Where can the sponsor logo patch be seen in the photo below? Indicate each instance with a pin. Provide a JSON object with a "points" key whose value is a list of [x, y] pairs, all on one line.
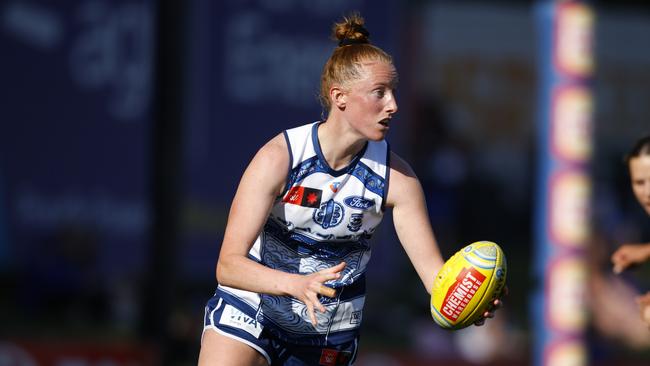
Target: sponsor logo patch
{"points": [[328, 357], [468, 281], [303, 196], [332, 357], [232, 317], [358, 202], [335, 186]]}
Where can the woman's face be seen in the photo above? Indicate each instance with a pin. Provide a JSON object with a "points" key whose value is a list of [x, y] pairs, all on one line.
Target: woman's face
{"points": [[370, 101], [640, 179]]}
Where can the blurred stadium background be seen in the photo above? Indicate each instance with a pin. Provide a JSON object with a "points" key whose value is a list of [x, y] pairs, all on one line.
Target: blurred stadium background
{"points": [[125, 125]]}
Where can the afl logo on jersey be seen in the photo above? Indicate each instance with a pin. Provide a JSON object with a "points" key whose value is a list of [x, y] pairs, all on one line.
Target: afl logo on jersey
{"points": [[358, 202], [329, 214]]}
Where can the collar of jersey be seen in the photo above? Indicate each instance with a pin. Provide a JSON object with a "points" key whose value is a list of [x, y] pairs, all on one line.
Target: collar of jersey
{"points": [[319, 153]]}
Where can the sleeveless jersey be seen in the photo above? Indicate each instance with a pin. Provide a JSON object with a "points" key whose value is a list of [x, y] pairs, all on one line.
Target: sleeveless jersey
{"points": [[325, 216]]}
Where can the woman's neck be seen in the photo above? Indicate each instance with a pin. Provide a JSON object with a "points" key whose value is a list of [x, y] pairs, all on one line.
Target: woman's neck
{"points": [[339, 143]]}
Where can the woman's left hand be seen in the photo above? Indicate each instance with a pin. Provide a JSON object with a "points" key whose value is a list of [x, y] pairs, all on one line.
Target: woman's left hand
{"points": [[496, 304]]}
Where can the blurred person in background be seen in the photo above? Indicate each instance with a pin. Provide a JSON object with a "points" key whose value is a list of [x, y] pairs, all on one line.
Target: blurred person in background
{"points": [[638, 163], [291, 269], [611, 301]]}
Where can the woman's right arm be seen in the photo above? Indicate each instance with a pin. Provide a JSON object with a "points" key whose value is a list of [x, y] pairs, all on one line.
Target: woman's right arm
{"points": [[260, 184]]}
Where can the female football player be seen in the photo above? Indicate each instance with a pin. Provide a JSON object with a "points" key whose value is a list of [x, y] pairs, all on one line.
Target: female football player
{"points": [[638, 163], [292, 266]]}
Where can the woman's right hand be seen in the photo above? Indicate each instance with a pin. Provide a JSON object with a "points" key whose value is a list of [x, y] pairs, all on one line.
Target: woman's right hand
{"points": [[307, 288], [628, 255]]}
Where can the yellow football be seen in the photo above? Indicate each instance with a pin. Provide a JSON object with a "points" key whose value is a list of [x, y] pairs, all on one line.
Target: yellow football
{"points": [[467, 284]]}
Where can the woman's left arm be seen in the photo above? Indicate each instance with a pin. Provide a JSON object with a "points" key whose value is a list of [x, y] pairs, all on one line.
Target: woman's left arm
{"points": [[413, 227], [411, 220]]}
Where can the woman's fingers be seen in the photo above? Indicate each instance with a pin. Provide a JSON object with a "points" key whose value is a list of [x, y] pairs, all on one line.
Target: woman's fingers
{"points": [[317, 286], [312, 305], [327, 291], [312, 298], [489, 313], [620, 262], [328, 274], [335, 269], [320, 306], [312, 315]]}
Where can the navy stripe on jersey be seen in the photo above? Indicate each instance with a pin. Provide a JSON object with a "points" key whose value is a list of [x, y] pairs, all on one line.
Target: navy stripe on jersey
{"points": [[373, 182], [387, 182], [306, 168], [305, 246], [286, 138]]}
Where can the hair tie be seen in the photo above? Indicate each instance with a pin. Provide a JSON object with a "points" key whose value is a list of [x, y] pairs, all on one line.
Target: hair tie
{"points": [[348, 41]]}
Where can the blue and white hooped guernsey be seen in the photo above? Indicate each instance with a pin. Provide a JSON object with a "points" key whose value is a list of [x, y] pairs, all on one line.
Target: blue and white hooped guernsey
{"points": [[325, 216]]}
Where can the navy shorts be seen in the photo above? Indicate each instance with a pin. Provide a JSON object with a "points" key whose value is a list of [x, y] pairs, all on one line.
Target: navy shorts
{"points": [[236, 322]]}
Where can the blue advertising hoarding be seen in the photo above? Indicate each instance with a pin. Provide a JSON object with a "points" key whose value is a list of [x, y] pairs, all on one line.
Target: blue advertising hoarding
{"points": [[78, 113]]}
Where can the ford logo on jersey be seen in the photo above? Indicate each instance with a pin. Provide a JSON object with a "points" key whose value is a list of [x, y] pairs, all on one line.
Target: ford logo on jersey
{"points": [[358, 202]]}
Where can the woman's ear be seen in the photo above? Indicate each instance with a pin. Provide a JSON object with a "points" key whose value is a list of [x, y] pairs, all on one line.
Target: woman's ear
{"points": [[338, 97]]}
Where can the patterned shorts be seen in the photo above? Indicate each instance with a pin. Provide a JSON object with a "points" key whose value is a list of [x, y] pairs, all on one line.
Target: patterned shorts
{"points": [[234, 321]]}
